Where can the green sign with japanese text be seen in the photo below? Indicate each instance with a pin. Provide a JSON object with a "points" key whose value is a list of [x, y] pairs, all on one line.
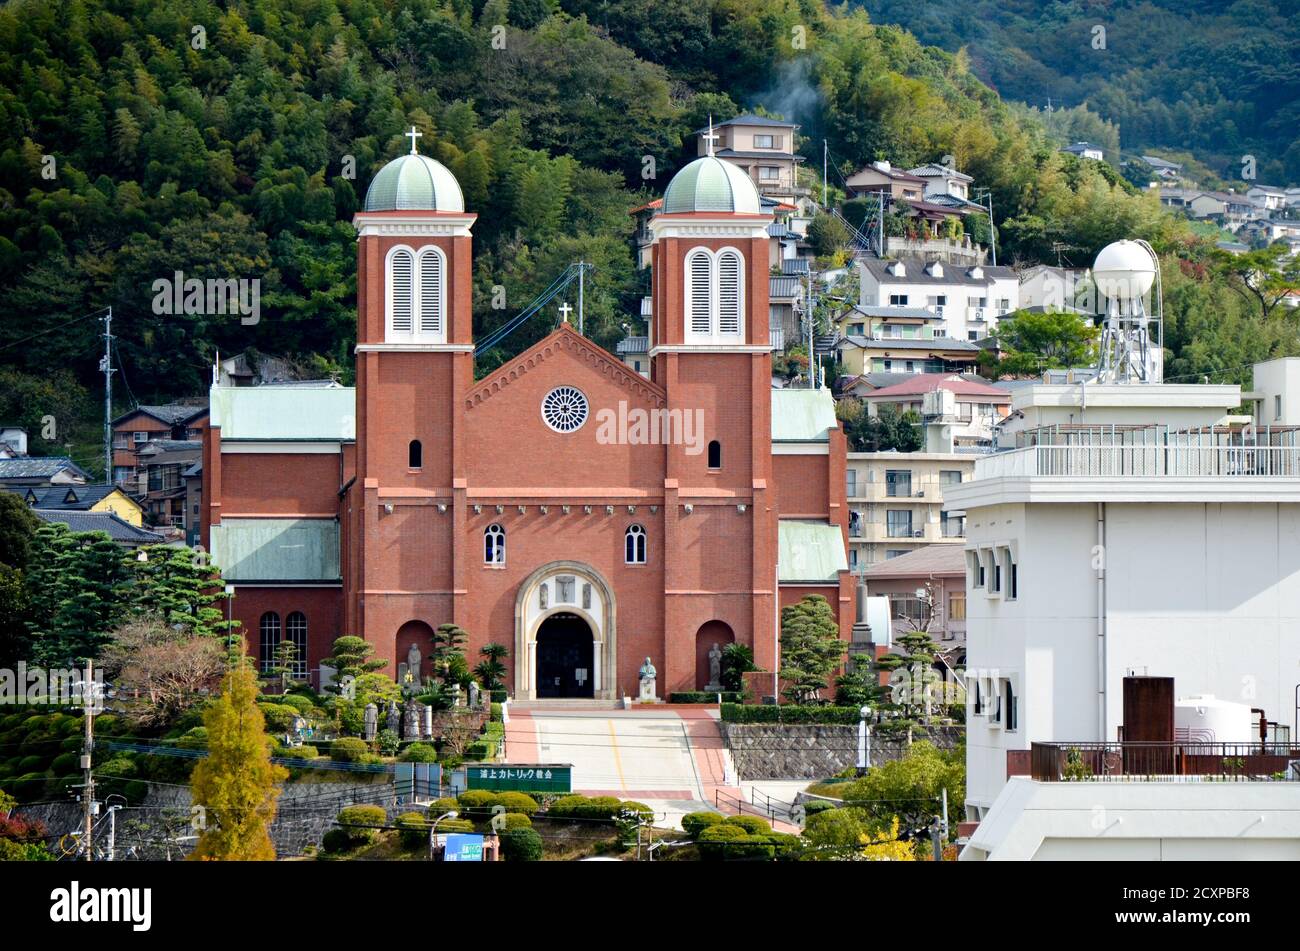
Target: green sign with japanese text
{"points": [[519, 777]]}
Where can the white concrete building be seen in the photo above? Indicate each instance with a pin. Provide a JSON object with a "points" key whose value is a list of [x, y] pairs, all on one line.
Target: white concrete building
{"points": [[967, 299], [1129, 529]]}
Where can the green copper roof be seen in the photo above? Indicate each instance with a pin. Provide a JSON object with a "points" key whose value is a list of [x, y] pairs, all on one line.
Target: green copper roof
{"points": [[802, 415], [710, 184], [414, 183], [810, 551], [300, 413], [277, 549]]}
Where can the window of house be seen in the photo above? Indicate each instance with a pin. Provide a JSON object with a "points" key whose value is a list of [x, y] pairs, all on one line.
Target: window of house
{"points": [[140, 437], [972, 335], [975, 567], [952, 526], [269, 640], [851, 482], [1277, 407], [494, 545], [976, 697], [996, 586], [715, 455], [415, 454], [857, 329], [898, 483], [295, 627], [763, 142], [957, 606], [768, 173], [634, 545], [949, 477], [894, 552], [1012, 580], [899, 523], [898, 300], [1010, 706], [120, 441]]}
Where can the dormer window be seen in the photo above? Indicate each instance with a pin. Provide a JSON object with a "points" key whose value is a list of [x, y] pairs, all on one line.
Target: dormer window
{"points": [[715, 295], [934, 269], [416, 296], [976, 273], [897, 268]]}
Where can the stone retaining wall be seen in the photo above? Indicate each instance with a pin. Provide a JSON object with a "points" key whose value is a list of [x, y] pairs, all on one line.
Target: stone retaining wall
{"points": [[803, 751]]}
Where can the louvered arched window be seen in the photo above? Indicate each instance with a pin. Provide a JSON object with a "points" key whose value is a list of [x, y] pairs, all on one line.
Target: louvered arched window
{"points": [[401, 288], [730, 292], [634, 545], [494, 545], [431, 293], [699, 292]]}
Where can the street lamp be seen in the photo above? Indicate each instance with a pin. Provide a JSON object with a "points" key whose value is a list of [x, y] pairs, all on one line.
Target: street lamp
{"points": [[433, 829]]}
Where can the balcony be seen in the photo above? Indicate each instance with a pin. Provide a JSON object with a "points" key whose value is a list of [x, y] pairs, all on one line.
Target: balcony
{"points": [[1180, 461], [1159, 762]]}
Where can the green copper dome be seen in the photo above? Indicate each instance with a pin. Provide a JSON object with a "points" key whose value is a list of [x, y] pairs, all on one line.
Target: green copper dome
{"points": [[414, 183], [710, 184]]}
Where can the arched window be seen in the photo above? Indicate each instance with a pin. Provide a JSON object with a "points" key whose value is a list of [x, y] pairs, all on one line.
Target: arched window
{"points": [[494, 545], [715, 455], [270, 640], [295, 629], [401, 287], [431, 296], [699, 291], [730, 292], [415, 454], [634, 545]]}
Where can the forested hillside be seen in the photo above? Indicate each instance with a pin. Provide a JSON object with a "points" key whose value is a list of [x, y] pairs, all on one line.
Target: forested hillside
{"points": [[1221, 79], [139, 138]]}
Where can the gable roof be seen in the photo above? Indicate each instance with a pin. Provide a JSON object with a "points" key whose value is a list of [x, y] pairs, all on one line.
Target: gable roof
{"points": [[274, 413], [173, 414], [803, 415], [71, 497], [938, 170], [914, 268], [748, 118], [38, 467], [945, 560], [565, 338], [809, 552], [910, 343], [929, 382], [122, 532]]}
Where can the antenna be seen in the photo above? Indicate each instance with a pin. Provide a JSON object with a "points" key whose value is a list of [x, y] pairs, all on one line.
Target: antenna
{"points": [[106, 367], [1132, 340]]}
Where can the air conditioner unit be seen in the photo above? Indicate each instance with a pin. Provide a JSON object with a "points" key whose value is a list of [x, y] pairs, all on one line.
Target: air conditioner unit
{"points": [[920, 493]]}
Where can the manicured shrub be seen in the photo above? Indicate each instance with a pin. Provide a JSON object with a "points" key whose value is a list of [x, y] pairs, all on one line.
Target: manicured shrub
{"points": [[455, 825], [136, 791], [703, 696], [26, 788], [31, 764], [302, 704], [335, 841], [516, 820], [415, 829], [361, 822], [751, 824], [521, 845], [494, 713], [348, 749], [693, 823], [279, 716], [419, 753], [476, 798], [388, 742], [443, 806], [728, 841], [515, 802], [72, 744], [814, 806], [302, 752], [498, 696], [65, 763]]}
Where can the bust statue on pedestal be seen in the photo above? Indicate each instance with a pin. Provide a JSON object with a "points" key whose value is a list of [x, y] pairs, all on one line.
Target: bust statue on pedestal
{"points": [[647, 675]]}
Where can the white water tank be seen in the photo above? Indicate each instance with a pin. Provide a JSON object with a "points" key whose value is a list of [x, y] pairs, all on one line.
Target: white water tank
{"points": [[1124, 270], [1204, 718]]}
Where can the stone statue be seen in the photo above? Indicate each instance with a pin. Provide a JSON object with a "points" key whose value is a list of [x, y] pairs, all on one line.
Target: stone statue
{"points": [[413, 664], [586, 597], [647, 674], [427, 731], [543, 593], [715, 669], [564, 589], [393, 721], [473, 695], [371, 721], [411, 720]]}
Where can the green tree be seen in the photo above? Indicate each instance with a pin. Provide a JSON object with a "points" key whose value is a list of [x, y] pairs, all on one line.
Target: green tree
{"points": [[351, 657], [890, 429], [1032, 342], [236, 785], [811, 648], [78, 586], [911, 788], [490, 671], [1263, 278], [17, 530], [183, 587]]}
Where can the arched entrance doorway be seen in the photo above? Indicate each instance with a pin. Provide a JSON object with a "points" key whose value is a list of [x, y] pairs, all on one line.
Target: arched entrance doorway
{"points": [[578, 590], [565, 657], [710, 633]]}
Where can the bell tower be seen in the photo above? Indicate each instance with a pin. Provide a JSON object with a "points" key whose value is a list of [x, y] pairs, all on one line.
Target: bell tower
{"points": [[710, 350], [414, 357]]}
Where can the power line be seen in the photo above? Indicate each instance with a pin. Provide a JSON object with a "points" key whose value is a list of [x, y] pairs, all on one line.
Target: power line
{"points": [[50, 330]]}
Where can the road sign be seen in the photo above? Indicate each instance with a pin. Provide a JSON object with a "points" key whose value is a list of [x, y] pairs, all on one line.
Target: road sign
{"points": [[520, 777], [463, 847]]}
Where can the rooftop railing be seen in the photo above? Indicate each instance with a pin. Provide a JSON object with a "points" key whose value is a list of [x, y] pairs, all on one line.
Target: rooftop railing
{"points": [[1142, 761], [1129, 460]]}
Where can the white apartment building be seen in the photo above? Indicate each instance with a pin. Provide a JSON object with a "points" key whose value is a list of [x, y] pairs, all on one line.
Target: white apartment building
{"points": [[896, 502], [967, 299], [1134, 529]]}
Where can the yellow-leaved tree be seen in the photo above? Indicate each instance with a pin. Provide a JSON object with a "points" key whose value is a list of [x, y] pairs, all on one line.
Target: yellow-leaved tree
{"points": [[885, 846], [236, 785]]}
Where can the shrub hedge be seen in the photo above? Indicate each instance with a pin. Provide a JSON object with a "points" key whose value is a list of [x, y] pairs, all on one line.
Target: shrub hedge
{"points": [[702, 696], [693, 823], [348, 749], [786, 713], [360, 822], [521, 845]]}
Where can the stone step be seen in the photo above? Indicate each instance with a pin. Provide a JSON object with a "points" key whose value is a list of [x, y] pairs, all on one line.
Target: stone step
{"points": [[579, 703]]}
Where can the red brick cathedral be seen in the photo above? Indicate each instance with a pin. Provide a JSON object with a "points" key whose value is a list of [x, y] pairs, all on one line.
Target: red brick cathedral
{"points": [[562, 505]]}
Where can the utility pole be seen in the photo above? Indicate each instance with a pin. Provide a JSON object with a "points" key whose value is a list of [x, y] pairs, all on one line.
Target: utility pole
{"points": [[812, 353], [87, 750], [825, 154], [993, 238], [582, 271], [880, 234], [106, 365]]}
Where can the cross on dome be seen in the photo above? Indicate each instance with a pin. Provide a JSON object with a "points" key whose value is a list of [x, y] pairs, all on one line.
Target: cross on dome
{"points": [[565, 311], [413, 135], [710, 137]]}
